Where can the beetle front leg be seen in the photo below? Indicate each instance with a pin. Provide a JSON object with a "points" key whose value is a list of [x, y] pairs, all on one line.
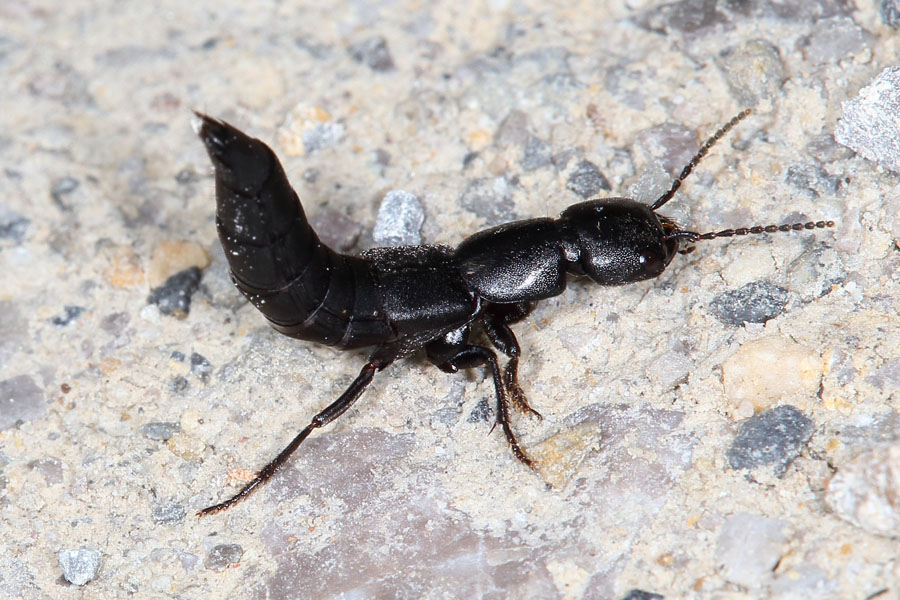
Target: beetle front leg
{"points": [[468, 357]]}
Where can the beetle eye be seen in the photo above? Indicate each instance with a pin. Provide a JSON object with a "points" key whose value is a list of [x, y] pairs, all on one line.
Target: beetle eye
{"points": [[651, 263]]}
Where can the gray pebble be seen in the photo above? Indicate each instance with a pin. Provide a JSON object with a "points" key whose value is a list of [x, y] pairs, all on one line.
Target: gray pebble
{"points": [[70, 313], [586, 180], [513, 130], [825, 149], [168, 512], [684, 16], [868, 124], [481, 412], [322, 135], [890, 13], [13, 227], [671, 144], [754, 71], [373, 53], [812, 180], [755, 302], [62, 188], [79, 566], [637, 594], [21, 400], [835, 39], [178, 384], [400, 219], [174, 296], [160, 431], [115, 323], [223, 556], [537, 154], [489, 198], [773, 437], [200, 366], [336, 230], [51, 468]]}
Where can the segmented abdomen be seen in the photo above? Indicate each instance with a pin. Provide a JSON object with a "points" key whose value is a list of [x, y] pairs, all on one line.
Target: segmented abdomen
{"points": [[305, 289]]}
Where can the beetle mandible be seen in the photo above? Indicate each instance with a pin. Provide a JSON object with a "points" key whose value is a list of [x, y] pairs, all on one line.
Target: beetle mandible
{"points": [[401, 300]]}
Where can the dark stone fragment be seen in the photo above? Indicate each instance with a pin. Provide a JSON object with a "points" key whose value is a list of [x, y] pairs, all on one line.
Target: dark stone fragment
{"points": [[642, 595], [13, 227], [773, 437], [174, 296], [755, 302], [178, 384], [61, 188], [168, 512], [115, 323], [200, 367], [177, 356], [186, 176], [812, 180], [223, 556], [336, 229], [481, 412], [160, 431], [890, 13], [537, 154], [513, 129], [586, 180], [686, 16], [489, 198], [21, 400], [70, 313], [373, 53]]}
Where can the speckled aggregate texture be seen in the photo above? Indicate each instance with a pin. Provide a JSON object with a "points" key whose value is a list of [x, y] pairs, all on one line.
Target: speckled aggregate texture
{"points": [[137, 386]]}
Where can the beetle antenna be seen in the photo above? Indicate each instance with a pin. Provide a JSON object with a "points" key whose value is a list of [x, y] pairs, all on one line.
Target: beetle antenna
{"points": [[692, 236], [703, 151]]}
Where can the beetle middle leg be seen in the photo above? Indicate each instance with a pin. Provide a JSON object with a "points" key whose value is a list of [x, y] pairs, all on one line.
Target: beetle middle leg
{"points": [[496, 319], [451, 353]]}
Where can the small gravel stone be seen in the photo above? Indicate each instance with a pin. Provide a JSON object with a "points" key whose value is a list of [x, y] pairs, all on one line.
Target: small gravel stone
{"points": [[813, 180], [890, 13], [336, 230], [174, 296], [79, 566], [490, 198], [321, 136], [754, 71], [51, 468], [13, 227], [373, 53], [537, 154], [481, 412], [115, 323], [223, 556], [160, 431], [400, 219], [178, 384], [642, 595], [774, 437], [835, 39], [513, 129], [21, 400], [170, 257], [755, 302], [866, 490], [586, 180], [868, 124], [168, 512], [748, 548], [201, 367], [62, 188], [671, 144], [70, 313]]}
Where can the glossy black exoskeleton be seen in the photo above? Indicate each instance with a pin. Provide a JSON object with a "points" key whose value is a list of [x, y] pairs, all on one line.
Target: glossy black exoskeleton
{"points": [[400, 300]]}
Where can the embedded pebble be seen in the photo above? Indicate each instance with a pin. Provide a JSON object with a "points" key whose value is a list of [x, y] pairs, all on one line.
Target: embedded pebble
{"points": [[309, 129], [749, 547], [637, 594], [13, 227], [513, 129], [866, 490], [399, 220], [79, 566], [671, 144], [201, 367], [812, 180], [174, 296], [50, 468], [755, 302], [586, 180], [178, 384], [537, 154], [335, 229], [168, 512], [171, 257], [754, 71], [868, 123], [21, 400], [490, 198], [223, 556], [764, 371], [373, 53], [62, 188], [890, 13], [160, 431], [773, 437], [835, 39], [70, 313]]}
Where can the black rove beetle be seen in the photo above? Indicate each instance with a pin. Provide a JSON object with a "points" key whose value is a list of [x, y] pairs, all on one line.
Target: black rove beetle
{"points": [[400, 300]]}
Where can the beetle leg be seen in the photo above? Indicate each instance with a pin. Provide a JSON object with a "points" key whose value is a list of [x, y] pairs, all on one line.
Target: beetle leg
{"points": [[496, 319], [468, 357], [329, 414]]}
